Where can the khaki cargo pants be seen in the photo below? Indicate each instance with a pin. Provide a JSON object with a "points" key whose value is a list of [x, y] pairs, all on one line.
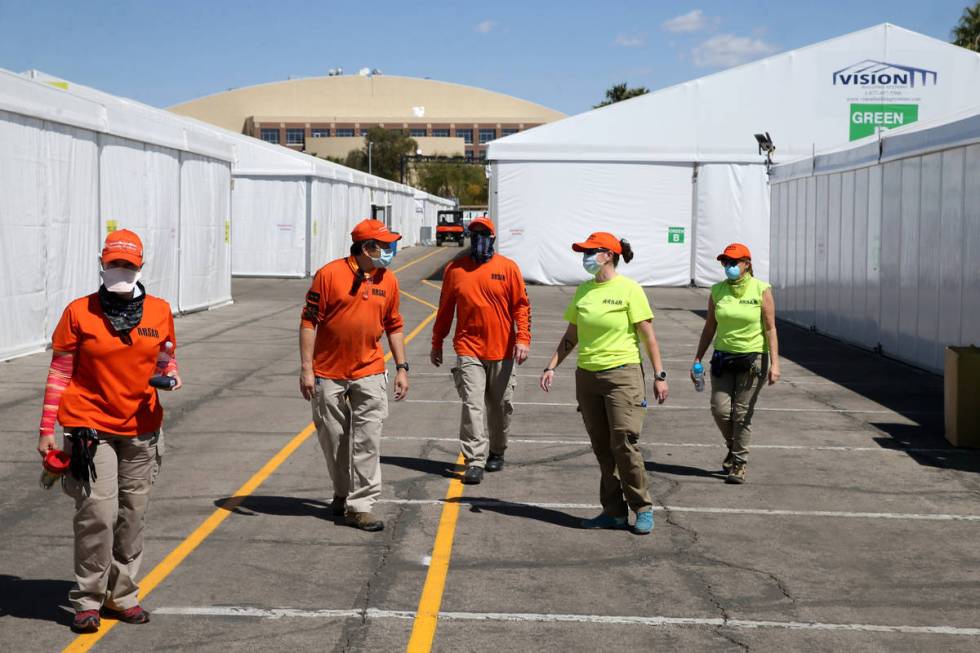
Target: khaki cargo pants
{"points": [[612, 405], [487, 390], [109, 520], [733, 397], [348, 417]]}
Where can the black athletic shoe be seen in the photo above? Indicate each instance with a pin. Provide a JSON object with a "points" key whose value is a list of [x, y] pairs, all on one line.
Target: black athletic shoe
{"points": [[495, 462], [337, 506], [473, 475]]}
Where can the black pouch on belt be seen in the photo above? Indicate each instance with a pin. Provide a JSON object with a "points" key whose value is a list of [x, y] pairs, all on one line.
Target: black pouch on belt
{"points": [[84, 442], [723, 361]]}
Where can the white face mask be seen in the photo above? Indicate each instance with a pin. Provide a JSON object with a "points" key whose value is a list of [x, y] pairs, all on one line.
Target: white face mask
{"points": [[120, 280]]}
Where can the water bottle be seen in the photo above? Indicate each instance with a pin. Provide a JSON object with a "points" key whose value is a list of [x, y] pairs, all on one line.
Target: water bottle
{"points": [[160, 379], [698, 371]]}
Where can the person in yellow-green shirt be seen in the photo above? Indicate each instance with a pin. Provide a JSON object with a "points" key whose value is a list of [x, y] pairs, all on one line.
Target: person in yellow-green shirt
{"points": [[607, 318], [742, 321]]}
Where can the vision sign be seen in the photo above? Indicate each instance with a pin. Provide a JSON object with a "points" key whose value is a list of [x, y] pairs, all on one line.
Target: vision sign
{"points": [[882, 95]]}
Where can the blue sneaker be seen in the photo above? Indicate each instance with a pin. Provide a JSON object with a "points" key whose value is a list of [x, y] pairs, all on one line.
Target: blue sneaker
{"points": [[644, 523], [604, 521]]}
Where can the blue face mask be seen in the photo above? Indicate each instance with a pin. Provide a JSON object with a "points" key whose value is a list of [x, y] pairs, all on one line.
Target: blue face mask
{"points": [[481, 247], [733, 272], [384, 260], [591, 265]]}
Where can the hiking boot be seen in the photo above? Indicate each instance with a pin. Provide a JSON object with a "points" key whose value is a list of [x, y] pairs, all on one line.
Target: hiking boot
{"points": [[605, 521], [644, 523], [737, 475], [133, 615], [473, 475], [495, 462], [86, 621], [337, 506], [364, 521], [726, 466]]}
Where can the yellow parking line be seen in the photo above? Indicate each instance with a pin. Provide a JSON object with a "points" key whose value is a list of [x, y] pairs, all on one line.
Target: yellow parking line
{"points": [[434, 285], [421, 258], [427, 615], [421, 301]]}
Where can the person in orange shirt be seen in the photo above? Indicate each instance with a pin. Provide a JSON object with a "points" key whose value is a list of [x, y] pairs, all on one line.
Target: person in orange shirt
{"points": [[106, 348], [493, 329], [351, 302]]}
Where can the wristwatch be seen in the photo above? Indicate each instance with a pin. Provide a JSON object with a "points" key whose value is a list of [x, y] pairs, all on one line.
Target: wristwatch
{"points": [[402, 366], [660, 376]]}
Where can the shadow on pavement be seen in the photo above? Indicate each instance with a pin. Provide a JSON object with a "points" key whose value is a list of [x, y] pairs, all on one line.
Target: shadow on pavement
{"points": [[512, 509], [35, 598], [433, 467], [680, 470], [279, 506]]}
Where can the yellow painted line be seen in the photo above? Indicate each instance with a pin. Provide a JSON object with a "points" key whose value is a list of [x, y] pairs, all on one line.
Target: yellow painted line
{"points": [[420, 300], [421, 258], [427, 615], [157, 575], [434, 285]]}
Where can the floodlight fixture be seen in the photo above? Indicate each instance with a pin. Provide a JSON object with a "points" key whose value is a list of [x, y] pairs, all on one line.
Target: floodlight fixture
{"points": [[764, 141]]}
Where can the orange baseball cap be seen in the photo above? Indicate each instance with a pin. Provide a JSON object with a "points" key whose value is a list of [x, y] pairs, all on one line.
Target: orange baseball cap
{"points": [[123, 245], [485, 221], [373, 230], [599, 240], [736, 252]]}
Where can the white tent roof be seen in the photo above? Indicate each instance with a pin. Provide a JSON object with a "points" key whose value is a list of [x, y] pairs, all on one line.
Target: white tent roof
{"points": [[804, 98], [83, 106]]}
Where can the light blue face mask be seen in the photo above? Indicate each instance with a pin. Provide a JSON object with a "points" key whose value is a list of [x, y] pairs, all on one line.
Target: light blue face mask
{"points": [[733, 272], [385, 259], [591, 265]]}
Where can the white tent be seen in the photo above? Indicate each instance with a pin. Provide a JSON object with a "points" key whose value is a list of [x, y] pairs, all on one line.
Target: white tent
{"points": [[290, 212], [677, 171], [878, 243], [71, 169]]}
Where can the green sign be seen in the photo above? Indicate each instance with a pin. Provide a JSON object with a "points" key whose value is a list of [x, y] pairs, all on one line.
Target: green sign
{"points": [[865, 118], [675, 235]]}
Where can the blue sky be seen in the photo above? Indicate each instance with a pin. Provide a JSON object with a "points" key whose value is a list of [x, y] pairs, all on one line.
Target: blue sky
{"points": [[560, 54]]}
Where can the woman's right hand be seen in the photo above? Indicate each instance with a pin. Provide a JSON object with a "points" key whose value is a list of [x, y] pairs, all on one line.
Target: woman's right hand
{"points": [[45, 443], [547, 377], [307, 384]]}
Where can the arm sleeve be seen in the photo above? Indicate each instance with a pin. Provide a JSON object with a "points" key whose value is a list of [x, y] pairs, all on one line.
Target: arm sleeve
{"points": [[520, 307], [393, 318], [639, 306], [59, 375], [447, 307], [313, 308]]}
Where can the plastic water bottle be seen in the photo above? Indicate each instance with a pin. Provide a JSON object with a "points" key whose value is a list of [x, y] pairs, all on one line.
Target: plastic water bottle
{"points": [[160, 379], [698, 371]]}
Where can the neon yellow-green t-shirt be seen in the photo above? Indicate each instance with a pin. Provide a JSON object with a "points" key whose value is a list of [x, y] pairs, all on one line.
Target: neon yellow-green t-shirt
{"points": [[738, 309], [606, 314]]}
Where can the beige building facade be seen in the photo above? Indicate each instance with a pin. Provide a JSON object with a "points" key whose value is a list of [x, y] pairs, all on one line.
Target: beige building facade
{"points": [[328, 116]]}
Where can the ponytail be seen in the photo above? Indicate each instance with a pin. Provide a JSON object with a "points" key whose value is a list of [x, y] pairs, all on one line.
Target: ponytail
{"points": [[627, 254]]}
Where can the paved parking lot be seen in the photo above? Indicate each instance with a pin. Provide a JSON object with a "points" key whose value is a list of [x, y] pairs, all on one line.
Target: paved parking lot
{"points": [[857, 529]]}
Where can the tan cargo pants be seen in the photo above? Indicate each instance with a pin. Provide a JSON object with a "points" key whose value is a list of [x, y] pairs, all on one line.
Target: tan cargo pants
{"points": [[348, 417], [612, 405], [487, 390], [733, 397], [109, 520]]}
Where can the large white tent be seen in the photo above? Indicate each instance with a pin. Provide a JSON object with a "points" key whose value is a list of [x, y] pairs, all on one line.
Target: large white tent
{"points": [[678, 172], [72, 169], [290, 212], [879, 243]]}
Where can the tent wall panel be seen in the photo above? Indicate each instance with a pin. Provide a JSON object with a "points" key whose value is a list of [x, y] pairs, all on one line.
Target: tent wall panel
{"points": [[646, 200], [899, 240], [140, 190], [205, 211], [269, 226]]}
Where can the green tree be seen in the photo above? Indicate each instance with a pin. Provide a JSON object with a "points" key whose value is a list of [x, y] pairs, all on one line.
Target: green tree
{"points": [[464, 181], [620, 92], [388, 147], [966, 34]]}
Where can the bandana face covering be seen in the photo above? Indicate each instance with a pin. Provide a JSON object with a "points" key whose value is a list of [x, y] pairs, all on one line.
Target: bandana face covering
{"points": [[120, 280], [123, 313], [481, 247]]}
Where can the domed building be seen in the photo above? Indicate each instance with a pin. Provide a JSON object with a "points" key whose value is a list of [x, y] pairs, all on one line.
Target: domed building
{"points": [[328, 116]]}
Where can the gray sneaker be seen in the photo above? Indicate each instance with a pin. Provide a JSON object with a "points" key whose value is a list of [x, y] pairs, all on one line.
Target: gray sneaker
{"points": [[473, 475]]}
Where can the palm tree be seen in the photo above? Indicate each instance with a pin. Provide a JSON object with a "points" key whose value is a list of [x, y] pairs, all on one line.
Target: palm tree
{"points": [[966, 34], [620, 92]]}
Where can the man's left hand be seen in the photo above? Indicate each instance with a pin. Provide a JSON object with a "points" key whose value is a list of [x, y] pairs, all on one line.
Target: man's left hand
{"points": [[521, 352], [401, 385], [660, 391]]}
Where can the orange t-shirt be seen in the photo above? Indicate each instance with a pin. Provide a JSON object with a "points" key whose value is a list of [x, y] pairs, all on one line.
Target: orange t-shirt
{"points": [[349, 326], [110, 387], [493, 311]]}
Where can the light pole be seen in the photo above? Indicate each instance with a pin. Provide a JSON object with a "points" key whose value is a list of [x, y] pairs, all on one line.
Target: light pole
{"points": [[370, 146]]}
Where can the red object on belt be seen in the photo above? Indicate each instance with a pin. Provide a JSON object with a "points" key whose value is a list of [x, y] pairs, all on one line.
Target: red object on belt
{"points": [[56, 461]]}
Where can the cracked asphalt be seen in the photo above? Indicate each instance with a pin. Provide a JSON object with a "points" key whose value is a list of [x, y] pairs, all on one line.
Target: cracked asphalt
{"points": [[845, 536]]}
